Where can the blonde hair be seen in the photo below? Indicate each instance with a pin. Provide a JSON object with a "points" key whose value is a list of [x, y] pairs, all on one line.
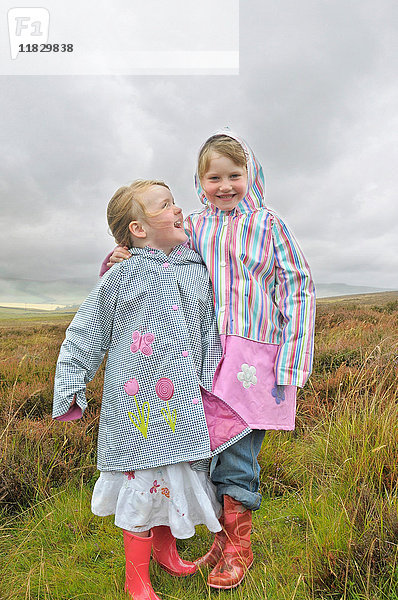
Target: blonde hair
{"points": [[224, 145], [127, 205]]}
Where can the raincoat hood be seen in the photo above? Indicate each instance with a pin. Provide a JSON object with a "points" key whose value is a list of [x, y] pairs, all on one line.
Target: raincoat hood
{"points": [[255, 194]]}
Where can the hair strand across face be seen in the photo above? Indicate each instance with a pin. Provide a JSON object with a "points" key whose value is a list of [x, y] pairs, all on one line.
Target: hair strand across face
{"points": [[126, 205]]}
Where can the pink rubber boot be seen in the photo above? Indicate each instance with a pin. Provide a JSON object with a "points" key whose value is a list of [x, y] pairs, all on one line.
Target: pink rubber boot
{"points": [[165, 553], [212, 557], [138, 555]]}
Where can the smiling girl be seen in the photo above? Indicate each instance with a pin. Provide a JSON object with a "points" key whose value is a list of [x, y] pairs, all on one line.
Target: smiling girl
{"points": [[264, 299], [265, 304], [154, 315]]}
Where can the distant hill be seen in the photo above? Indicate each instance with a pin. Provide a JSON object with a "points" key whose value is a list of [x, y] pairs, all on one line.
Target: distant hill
{"points": [[26, 306], [326, 290], [12, 315], [374, 299], [71, 292], [63, 291]]}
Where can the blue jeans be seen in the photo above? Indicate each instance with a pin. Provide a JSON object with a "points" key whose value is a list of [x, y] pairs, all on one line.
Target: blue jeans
{"points": [[236, 472]]}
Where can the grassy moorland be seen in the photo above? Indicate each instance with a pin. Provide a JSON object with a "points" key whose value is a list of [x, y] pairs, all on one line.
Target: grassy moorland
{"points": [[328, 526]]}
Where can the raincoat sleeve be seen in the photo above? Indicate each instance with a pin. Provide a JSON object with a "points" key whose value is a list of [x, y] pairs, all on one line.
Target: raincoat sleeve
{"points": [[295, 298], [211, 344], [188, 226], [104, 266], [87, 340], [189, 231]]}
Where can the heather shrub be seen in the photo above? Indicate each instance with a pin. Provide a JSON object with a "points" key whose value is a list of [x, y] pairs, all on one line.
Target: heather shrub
{"points": [[37, 453], [328, 525]]}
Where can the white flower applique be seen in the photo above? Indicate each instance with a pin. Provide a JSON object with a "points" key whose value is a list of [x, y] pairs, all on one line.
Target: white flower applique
{"points": [[247, 375]]}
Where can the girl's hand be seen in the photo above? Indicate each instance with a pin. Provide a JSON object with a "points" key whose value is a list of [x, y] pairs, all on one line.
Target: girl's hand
{"points": [[119, 254]]}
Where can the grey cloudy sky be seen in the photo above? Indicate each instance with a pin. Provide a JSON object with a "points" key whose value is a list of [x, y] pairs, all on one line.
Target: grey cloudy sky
{"points": [[316, 98]]}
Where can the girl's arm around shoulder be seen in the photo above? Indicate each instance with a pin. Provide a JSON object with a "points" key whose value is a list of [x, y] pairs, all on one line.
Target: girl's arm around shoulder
{"points": [[211, 344], [188, 226], [295, 298], [86, 341], [117, 255], [191, 228]]}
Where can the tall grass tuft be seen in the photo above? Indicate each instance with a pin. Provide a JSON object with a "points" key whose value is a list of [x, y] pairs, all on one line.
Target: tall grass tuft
{"points": [[36, 453], [328, 525]]}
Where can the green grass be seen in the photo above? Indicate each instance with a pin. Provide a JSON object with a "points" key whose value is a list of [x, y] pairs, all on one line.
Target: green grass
{"points": [[58, 549], [10, 315], [328, 525]]}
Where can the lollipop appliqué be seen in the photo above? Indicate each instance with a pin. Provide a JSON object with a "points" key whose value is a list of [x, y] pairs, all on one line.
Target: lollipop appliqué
{"points": [[164, 390]]}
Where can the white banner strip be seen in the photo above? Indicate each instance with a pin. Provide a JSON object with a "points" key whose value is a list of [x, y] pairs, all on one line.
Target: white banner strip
{"points": [[121, 37]]}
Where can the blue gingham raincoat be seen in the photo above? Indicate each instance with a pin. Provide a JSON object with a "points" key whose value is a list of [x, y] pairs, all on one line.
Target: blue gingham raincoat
{"points": [[155, 316]]}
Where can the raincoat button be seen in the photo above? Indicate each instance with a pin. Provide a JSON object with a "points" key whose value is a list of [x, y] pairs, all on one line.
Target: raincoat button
{"points": [[174, 307], [223, 263], [166, 264], [195, 400], [184, 353]]}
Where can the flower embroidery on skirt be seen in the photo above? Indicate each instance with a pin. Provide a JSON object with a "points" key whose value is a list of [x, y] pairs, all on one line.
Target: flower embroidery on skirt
{"points": [[153, 489]]}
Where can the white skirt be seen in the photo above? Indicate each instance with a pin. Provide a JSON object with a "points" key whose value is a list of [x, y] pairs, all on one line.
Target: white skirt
{"points": [[174, 495]]}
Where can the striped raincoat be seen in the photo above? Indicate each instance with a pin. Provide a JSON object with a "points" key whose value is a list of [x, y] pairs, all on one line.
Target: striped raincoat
{"points": [[264, 300]]}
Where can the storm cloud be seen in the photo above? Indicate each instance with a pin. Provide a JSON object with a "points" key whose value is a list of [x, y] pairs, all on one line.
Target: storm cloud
{"points": [[316, 98]]}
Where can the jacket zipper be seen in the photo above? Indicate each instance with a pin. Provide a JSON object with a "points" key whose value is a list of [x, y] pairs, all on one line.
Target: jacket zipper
{"points": [[225, 308]]}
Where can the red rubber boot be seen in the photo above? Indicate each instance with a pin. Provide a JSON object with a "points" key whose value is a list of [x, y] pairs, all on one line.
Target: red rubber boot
{"points": [[138, 555], [212, 557], [166, 554], [237, 556]]}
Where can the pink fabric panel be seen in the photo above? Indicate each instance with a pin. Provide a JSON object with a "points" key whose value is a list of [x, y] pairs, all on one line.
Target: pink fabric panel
{"points": [[256, 403], [223, 422], [104, 268], [74, 412]]}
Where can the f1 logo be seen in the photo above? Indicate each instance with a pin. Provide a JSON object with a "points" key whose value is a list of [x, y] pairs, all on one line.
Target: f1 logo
{"points": [[27, 25]]}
